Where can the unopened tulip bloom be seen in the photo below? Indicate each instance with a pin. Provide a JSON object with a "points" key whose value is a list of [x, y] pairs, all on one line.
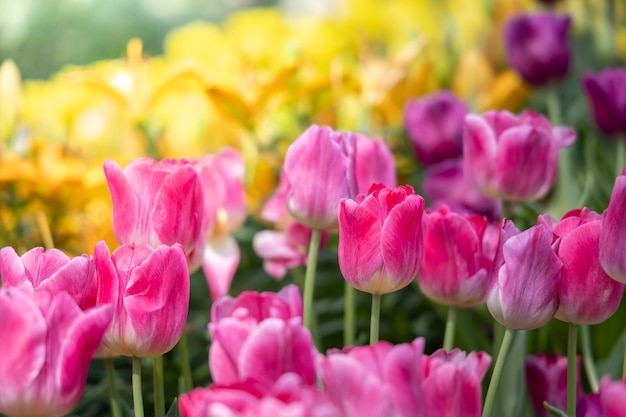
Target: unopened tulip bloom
{"points": [[434, 124], [587, 295], [380, 239], [149, 290], [525, 277], [158, 202], [537, 46], [319, 171], [613, 234], [374, 164], [457, 258], [606, 93], [47, 269], [48, 343], [511, 157]]}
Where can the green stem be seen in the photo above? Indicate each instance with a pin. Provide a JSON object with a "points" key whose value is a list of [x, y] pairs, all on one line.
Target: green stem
{"points": [[159, 386], [620, 143], [554, 108], [448, 338], [375, 318], [114, 397], [137, 393], [349, 315], [497, 371], [590, 367], [572, 337], [183, 350], [309, 277]]}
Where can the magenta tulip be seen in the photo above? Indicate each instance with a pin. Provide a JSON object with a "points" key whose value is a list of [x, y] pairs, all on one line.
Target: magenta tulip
{"points": [[587, 294], [514, 158], [374, 164], [319, 171], [158, 202], [613, 234], [537, 47], [149, 290], [434, 124], [613, 397], [457, 258], [48, 343], [606, 93], [47, 269], [380, 239], [525, 277]]}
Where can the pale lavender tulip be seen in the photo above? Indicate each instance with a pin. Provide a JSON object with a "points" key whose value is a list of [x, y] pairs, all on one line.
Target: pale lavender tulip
{"points": [[613, 234], [374, 164], [380, 239], [511, 157], [48, 343], [149, 290]]}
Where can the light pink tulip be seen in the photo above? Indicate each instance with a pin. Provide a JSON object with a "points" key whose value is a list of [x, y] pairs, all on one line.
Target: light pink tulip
{"points": [[457, 258], [613, 397], [380, 239], [319, 169], [511, 157], [149, 290], [525, 277], [48, 343], [374, 164], [587, 295], [158, 202], [613, 234], [220, 260], [452, 383], [47, 269]]}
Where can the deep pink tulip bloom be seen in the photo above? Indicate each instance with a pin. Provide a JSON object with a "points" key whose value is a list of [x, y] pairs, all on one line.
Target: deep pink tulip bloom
{"points": [[452, 383], [587, 295], [613, 397], [48, 343], [514, 158], [606, 93], [149, 290], [445, 184], [158, 202], [380, 239], [537, 46], [374, 164], [525, 277], [47, 269], [434, 124], [319, 171], [613, 234], [457, 258]]}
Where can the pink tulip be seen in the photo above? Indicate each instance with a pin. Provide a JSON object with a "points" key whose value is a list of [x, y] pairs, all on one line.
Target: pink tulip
{"points": [[380, 239], [587, 294], [434, 124], [149, 290], [525, 277], [48, 343], [452, 383], [613, 397], [457, 258], [606, 93], [283, 250], [374, 164], [514, 158], [319, 170], [613, 234], [51, 270], [158, 202]]}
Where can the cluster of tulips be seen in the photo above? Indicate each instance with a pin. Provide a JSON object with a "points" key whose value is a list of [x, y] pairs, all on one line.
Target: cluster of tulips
{"points": [[459, 243]]}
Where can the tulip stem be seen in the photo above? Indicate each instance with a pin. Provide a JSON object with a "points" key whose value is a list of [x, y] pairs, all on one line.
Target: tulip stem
{"points": [[448, 338], [309, 278], [183, 350], [621, 155], [572, 337], [590, 367], [554, 108], [375, 318], [114, 397], [137, 394], [497, 371], [349, 315], [159, 386]]}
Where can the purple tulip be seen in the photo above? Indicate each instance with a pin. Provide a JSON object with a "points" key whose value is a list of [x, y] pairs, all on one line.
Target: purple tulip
{"points": [[606, 92]]}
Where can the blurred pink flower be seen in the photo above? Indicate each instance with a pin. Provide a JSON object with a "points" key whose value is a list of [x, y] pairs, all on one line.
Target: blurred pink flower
{"points": [[613, 397], [374, 164], [149, 290], [380, 239], [613, 234], [48, 343]]}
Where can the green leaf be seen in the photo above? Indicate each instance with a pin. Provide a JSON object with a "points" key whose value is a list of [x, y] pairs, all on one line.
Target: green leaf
{"points": [[173, 410], [554, 411]]}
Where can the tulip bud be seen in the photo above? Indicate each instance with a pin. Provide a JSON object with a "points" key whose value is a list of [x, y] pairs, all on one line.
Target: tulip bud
{"points": [[606, 93]]}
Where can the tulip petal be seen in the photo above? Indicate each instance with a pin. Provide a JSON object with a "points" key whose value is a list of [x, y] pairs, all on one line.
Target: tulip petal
{"points": [[220, 261], [124, 200], [228, 337], [479, 152], [613, 233], [12, 270]]}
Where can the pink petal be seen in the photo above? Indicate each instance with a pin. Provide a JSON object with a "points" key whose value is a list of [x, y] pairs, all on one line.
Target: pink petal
{"points": [[479, 153], [12, 270], [220, 261], [124, 200], [613, 233], [228, 337]]}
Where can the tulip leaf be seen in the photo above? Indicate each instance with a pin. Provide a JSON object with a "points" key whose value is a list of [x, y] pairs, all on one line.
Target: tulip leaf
{"points": [[173, 410], [554, 411], [512, 389]]}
